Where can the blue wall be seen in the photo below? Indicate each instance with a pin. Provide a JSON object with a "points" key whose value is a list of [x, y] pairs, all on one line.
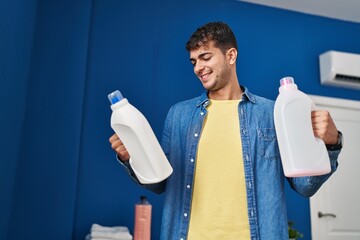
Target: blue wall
{"points": [[58, 170], [16, 38]]}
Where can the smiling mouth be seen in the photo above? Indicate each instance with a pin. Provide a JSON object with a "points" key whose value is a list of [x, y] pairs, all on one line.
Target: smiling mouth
{"points": [[205, 76]]}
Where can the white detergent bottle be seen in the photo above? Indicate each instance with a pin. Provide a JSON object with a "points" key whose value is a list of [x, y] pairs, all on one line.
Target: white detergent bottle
{"points": [[147, 158], [302, 154]]}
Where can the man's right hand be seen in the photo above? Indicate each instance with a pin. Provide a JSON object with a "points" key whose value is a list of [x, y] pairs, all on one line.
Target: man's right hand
{"points": [[118, 146]]}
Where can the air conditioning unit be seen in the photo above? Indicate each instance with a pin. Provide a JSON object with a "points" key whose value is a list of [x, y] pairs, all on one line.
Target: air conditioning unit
{"points": [[340, 69]]}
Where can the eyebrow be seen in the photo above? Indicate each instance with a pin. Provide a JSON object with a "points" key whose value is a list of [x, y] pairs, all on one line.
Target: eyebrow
{"points": [[200, 56]]}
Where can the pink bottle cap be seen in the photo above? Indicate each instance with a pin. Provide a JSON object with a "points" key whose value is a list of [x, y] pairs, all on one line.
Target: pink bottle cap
{"points": [[286, 80]]}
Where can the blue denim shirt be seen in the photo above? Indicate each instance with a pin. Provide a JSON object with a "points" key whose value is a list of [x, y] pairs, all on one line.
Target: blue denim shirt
{"points": [[263, 170]]}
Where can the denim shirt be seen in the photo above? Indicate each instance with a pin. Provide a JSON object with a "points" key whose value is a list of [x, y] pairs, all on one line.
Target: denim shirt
{"points": [[264, 176]]}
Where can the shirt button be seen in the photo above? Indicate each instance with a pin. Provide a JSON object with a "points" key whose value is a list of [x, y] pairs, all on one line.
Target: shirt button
{"points": [[188, 186], [247, 157], [202, 113], [249, 184], [185, 214], [181, 239], [196, 135], [192, 160], [252, 213]]}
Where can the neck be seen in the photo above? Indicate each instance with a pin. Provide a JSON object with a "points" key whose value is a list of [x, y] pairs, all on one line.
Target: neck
{"points": [[229, 92]]}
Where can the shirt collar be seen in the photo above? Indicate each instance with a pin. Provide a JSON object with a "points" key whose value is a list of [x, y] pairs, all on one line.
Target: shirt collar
{"points": [[247, 96]]}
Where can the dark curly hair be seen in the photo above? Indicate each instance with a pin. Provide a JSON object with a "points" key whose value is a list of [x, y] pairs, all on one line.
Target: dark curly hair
{"points": [[218, 32]]}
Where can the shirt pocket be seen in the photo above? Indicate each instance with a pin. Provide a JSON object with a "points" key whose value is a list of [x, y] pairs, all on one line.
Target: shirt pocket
{"points": [[267, 147]]}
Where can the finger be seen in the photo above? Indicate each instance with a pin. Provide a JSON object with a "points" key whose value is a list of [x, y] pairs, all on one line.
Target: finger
{"points": [[320, 133], [117, 143], [120, 147], [320, 119], [123, 154], [316, 119], [324, 127], [114, 140], [114, 137], [316, 112], [320, 124], [323, 115]]}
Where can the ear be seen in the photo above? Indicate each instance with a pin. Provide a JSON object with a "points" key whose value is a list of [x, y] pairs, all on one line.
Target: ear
{"points": [[232, 55]]}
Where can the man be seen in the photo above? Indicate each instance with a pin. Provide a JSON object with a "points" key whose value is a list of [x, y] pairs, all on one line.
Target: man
{"points": [[228, 181]]}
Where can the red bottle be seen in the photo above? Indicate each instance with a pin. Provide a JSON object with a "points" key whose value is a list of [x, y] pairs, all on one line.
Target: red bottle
{"points": [[142, 228]]}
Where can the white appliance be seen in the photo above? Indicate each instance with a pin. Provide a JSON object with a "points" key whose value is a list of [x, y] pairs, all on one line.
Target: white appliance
{"points": [[340, 69]]}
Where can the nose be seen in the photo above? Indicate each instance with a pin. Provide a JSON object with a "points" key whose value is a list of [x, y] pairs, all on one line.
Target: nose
{"points": [[198, 68]]}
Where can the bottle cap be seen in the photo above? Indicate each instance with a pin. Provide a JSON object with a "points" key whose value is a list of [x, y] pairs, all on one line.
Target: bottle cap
{"points": [[286, 80], [143, 200], [115, 97]]}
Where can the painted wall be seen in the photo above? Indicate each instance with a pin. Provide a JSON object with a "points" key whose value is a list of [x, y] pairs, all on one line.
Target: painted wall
{"points": [[65, 176], [44, 194], [16, 38]]}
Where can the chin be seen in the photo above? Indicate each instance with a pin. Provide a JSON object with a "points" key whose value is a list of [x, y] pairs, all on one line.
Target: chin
{"points": [[209, 88], [208, 85], [212, 87]]}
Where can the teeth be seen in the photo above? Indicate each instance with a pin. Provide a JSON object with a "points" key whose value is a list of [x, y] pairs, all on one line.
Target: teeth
{"points": [[205, 76]]}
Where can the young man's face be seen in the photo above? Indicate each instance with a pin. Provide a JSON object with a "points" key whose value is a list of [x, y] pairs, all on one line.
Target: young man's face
{"points": [[211, 66]]}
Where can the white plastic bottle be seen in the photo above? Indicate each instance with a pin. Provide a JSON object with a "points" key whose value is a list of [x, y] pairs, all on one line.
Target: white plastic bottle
{"points": [[302, 154], [147, 158], [142, 226]]}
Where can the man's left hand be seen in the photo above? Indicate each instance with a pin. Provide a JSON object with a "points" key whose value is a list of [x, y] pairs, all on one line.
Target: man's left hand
{"points": [[324, 126]]}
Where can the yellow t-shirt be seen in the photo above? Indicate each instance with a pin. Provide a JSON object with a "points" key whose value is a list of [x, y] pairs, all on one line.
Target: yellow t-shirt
{"points": [[219, 203]]}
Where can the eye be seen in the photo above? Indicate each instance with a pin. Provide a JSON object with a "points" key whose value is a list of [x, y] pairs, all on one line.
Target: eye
{"points": [[193, 63], [207, 58]]}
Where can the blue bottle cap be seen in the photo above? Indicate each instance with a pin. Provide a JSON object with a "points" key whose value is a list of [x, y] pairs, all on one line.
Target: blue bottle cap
{"points": [[115, 97]]}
